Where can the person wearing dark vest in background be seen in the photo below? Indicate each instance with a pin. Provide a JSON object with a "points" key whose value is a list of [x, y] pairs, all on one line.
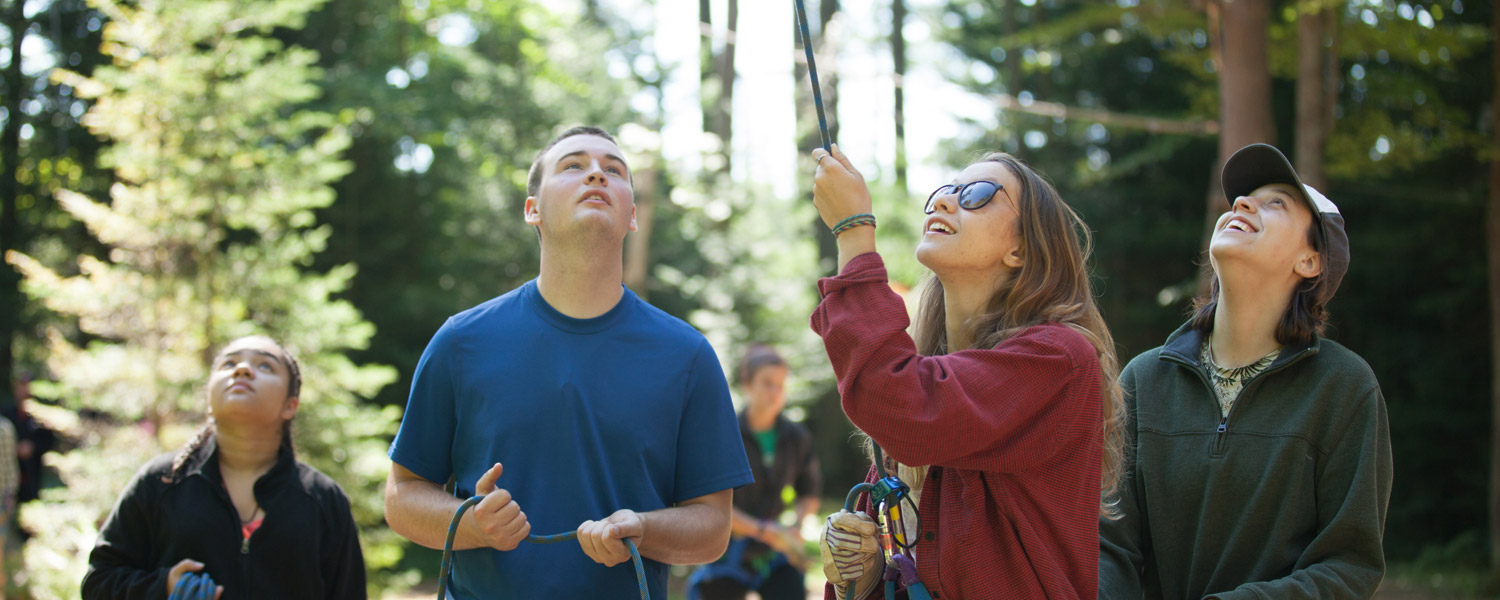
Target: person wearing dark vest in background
{"points": [[764, 555], [33, 440], [1262, 453]]}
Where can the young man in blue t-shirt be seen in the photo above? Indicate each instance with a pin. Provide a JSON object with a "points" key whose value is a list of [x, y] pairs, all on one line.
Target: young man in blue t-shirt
{"points": [[569, 404]]}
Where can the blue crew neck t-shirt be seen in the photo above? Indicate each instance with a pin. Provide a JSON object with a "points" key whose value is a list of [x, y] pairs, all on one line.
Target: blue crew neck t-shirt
{"points": [[588, 416]]}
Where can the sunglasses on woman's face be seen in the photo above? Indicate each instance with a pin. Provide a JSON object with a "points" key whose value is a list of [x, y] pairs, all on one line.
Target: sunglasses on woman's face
{"points": [[973, 195]]}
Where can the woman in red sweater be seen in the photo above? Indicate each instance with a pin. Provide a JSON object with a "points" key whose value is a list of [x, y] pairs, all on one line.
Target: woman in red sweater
{"points": [[1007, 394]]}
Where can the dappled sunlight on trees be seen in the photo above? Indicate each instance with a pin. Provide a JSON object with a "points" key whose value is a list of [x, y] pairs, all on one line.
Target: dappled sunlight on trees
{"points": [[344, 174], [209, 229]]}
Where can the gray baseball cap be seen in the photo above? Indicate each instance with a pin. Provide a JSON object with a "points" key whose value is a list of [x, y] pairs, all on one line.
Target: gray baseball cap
{"points": [[1259, 164]]}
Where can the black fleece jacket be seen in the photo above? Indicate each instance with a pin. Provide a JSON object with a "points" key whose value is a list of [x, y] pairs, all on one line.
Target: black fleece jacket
{"points": [[306, 547]]}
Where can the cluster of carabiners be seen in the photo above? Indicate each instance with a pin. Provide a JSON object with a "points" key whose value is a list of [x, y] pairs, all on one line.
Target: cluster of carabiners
{"points": [[891, 498]]}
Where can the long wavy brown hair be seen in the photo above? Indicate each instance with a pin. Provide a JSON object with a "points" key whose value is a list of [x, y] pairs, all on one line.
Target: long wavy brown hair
{"points": [[1052, 286]]}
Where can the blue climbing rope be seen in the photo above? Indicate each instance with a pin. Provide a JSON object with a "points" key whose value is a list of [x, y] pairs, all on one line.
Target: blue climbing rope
{"points": [[812, 72], [193, 586], [447, 568]]}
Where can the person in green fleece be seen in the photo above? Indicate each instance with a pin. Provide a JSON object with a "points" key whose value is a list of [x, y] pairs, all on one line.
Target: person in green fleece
{"points": [[1262, 463]]}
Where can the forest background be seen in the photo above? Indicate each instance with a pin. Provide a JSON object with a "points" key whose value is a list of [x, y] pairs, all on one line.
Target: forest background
{"points": [[345, 174]]}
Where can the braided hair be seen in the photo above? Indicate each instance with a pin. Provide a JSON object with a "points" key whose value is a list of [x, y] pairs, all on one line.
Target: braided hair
{"points": [[293, 388]]}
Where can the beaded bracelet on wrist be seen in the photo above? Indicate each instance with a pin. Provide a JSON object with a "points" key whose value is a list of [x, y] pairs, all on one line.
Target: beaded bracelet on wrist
{"points": [[852, 222]]}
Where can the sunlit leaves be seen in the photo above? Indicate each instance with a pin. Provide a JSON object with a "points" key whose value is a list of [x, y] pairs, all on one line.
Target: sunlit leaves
{"points": [[211, 228]]}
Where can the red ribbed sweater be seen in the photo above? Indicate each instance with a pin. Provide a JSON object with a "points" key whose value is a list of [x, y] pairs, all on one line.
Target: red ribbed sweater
{"points": [[1010, 507]]}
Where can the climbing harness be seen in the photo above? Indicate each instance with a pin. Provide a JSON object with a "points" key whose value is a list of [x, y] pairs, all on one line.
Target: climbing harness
{"points": [[812, 72], [447, 568], [193, 586], [890, 497]]}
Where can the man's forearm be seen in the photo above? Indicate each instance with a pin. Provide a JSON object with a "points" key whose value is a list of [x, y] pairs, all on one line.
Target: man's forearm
{"points": [[685, 535]]}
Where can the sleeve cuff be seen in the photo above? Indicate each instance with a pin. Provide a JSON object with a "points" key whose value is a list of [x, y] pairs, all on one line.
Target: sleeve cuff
{"points": [[865, 268]]}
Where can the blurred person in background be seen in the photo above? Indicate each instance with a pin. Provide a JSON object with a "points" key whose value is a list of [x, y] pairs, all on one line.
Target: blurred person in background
{"points": [[33, 440], [765, 556], [10, 480]]}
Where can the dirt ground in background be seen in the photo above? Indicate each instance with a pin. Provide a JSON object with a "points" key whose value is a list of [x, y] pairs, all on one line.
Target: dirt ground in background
{"points": [[1388, 591]]}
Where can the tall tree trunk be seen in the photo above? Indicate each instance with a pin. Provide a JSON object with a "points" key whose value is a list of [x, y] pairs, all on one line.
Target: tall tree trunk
{"points": [[649, 186], [1314, 102], [723, 124], [898, 61], [708, 88], [1244, 88], [1013, 82], [716, 80], [1492, 231], [10, 189]]}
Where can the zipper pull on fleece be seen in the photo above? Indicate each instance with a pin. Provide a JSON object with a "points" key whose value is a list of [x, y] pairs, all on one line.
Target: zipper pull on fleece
{"points": [[245, 546], [1223, 426]]}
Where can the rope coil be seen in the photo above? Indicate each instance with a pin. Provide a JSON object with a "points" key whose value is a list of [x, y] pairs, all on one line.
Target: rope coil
{"points": [[193, 586]]}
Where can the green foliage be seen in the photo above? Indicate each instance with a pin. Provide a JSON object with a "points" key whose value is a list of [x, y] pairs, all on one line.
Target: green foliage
{"points": [[406, 129], [1401, 76], [447, 103], [1455, 568], [211, 229], [54, 153]]}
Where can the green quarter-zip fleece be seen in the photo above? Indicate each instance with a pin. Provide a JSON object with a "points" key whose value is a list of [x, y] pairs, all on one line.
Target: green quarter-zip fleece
{"points": [[1283, 498]]}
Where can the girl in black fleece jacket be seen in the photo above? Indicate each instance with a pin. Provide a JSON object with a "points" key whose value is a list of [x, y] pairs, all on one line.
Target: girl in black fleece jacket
{"points": [[234, 503]]}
